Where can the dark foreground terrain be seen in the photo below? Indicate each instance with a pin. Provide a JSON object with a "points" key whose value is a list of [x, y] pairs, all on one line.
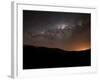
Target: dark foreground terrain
{"points": [[41, 57]]}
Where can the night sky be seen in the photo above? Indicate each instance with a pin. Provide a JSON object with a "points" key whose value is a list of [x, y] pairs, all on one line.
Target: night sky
{"points": [[67, 31]]}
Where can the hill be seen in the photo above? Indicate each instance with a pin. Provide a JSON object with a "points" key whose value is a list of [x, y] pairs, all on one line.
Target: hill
{"points": [[42, 57]]}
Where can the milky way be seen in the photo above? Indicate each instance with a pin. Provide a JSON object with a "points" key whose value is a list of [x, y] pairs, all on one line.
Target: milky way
{"points": [[68, 31]]}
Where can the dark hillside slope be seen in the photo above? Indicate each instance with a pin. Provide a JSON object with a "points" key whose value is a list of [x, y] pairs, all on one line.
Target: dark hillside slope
{"points": [[42, 57]]}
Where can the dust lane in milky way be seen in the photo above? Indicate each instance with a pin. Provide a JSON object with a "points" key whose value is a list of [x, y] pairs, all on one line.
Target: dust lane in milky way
{"points": [[68, 31]]}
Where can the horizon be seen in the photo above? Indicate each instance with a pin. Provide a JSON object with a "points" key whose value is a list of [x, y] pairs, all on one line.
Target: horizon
{"points": [[56, 48]]}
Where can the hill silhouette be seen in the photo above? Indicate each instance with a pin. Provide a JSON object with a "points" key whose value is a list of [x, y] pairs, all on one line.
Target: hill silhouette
{"points": [[42, 57]]}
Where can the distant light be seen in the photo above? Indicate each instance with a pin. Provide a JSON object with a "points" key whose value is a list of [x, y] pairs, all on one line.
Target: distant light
{"points": [[81, 49]]}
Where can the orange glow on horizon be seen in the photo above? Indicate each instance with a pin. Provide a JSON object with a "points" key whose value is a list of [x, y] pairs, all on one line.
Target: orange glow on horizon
{"points": [[82, 49], [78, 48]]}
